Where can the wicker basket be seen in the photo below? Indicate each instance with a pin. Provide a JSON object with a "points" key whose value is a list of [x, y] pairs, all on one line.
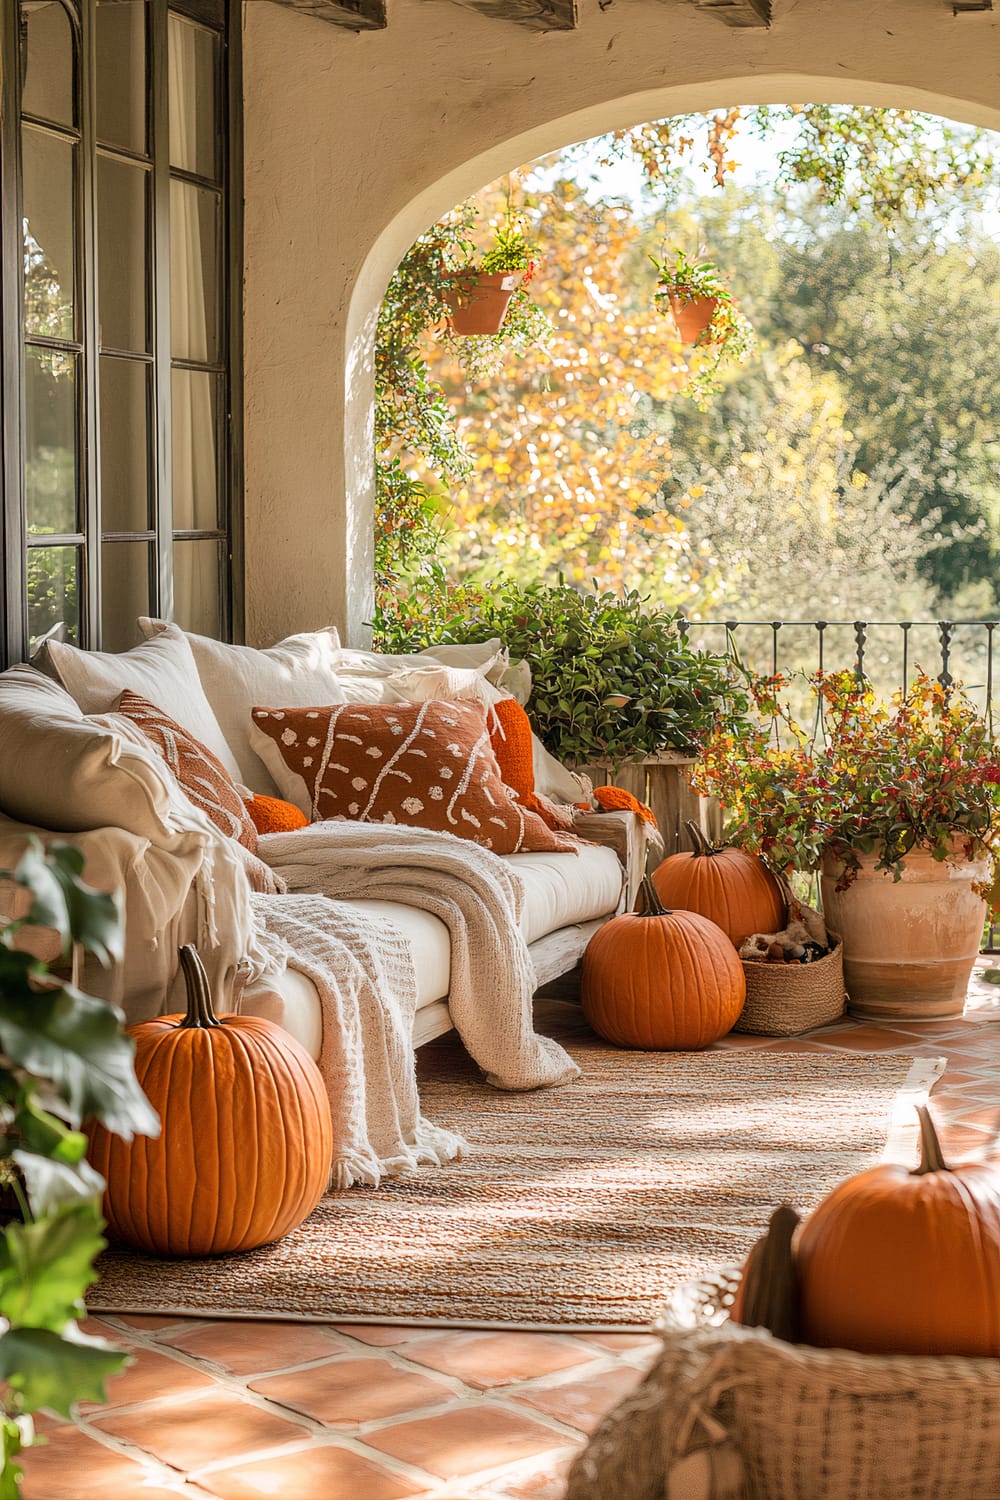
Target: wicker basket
{"points": [[732, 1413], [787, 999]]}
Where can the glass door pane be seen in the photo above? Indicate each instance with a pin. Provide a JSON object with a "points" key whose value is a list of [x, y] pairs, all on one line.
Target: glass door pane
{"points": [[51, 441], [197, 587], [195, 450], [194, 98], [124, 592], [194, 272], [48, 75], [121, 74], [124, 444], [49, 235], [122, 258], [53, 593]]}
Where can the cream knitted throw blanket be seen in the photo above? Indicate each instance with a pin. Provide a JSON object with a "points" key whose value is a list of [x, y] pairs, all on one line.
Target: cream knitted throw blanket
{"points": [[363, 972], [479, 898]]}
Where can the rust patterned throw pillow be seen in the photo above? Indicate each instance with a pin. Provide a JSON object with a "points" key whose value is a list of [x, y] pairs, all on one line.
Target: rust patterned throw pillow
{"points": [[420, 765], [204, 778]]}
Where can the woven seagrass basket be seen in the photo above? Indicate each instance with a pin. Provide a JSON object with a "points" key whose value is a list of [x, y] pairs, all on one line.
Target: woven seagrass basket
{"points": [[787, 999], [732, 1413]]}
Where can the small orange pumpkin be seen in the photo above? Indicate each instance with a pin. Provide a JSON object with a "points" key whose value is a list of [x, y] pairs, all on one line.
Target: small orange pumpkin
{"points": [[661, 980], [900, 1262], [734, 889], [244, 1153]]}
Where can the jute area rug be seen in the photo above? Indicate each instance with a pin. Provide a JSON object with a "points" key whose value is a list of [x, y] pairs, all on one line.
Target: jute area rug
{"points": [[579, 1207]]}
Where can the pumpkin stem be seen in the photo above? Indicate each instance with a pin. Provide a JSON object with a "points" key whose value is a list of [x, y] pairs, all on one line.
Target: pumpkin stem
{"points": [[199, 996], [648, 903], [931, 1157], [698, 839]]}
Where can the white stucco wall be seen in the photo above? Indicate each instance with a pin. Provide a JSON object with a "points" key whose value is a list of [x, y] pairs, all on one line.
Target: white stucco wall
{"points": [[356, 142]]}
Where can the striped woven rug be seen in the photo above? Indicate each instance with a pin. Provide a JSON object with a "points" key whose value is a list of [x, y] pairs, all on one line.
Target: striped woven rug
{"points": [[579, 1207]]}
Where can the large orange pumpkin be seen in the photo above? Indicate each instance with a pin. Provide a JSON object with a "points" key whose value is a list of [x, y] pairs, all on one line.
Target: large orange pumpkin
{"points": [[661, 980], [244, 1153], [900, 1262], [734, 889]]}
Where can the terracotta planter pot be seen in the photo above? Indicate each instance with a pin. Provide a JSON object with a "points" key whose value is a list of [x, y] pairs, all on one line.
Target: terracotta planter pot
{"points": [[693, 317], [479, 300], [909, 945]]}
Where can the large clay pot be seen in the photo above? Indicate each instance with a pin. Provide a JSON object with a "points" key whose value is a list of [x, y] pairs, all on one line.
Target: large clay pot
{"points": [[909, 945]]}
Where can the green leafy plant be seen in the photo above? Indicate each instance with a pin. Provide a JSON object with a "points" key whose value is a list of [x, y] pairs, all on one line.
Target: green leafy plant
{"points": [[613, 678], [63, 1059], [525, 324], [412, 416], [871, 778], [728, 339]]}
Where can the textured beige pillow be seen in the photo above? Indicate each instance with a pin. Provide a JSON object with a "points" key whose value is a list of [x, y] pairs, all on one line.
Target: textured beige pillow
{"points": [[61, 771], [298, 671], [162, 670]]}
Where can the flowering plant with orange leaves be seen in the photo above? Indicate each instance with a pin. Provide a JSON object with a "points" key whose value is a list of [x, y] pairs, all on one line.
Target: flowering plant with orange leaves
{"points": [[873, 777]]}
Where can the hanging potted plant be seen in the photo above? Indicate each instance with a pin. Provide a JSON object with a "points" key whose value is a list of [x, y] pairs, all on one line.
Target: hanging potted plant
{"points": [[897, 807], [706, 317], [479, 296]]}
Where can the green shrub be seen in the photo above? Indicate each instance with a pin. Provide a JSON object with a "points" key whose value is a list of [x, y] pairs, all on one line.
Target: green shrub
{"points": [[613, 677]]}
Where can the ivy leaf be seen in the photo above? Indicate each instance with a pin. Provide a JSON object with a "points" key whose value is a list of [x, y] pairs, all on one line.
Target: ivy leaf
{"points": [[54, 1372], [46, 1267], [64, 901], [77, 1042], [43, 1134], [52, 1183]]}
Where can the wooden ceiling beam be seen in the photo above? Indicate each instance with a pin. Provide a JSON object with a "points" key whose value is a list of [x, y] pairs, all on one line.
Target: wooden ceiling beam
{"points": [[538, 15], [739, 12], [359, 15]]}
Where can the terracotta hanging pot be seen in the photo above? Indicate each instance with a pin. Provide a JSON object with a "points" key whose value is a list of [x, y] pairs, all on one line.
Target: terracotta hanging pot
{"points": [[693, 316], [909, 945], [479, 300]]}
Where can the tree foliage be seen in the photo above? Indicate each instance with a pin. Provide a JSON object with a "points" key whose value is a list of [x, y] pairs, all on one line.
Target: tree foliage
{"points": [[863, 441]]}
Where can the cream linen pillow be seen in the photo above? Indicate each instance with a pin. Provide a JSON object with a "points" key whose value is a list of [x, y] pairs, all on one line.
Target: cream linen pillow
{"points": [[162, 670], [61, 771], [366, 676], [298, 672]]}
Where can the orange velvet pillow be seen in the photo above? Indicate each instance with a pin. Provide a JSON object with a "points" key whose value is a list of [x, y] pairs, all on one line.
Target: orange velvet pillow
{"points": [[510, 736], [272, 815], [419, 765], [204, 778]]}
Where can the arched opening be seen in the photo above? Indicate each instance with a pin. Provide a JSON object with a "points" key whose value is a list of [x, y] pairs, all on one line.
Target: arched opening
{"points": [[465, 179]]}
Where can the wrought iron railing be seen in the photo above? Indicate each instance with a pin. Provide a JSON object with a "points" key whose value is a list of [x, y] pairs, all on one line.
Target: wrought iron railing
{"points": [[887, 652]]}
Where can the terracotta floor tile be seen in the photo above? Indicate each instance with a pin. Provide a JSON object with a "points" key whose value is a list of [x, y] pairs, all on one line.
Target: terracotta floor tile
{"points": [[623, 1343], [465, 1441], [251, 1348], [870, 1039], [383, 1335], [582, 1403], [150, 1320], [150, 1377], [547, 1482], [485, 1360], [188, 1434], [353, 1390], [71, 1466], [315, 1473]]}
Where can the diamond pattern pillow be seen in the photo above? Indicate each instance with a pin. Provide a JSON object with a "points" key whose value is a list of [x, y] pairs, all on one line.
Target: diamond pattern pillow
{"points": [[420, 765], [203, 777]]}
